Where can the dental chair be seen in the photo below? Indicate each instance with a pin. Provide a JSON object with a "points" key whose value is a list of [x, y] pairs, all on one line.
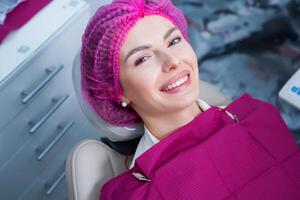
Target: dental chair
{"points": [[92, 162]]}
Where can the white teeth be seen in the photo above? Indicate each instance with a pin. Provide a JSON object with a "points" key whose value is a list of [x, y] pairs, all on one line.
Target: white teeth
{"points": [[177, 83]]}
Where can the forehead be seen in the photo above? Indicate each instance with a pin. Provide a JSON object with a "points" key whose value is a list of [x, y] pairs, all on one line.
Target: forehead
{"points": [[145, 31]]}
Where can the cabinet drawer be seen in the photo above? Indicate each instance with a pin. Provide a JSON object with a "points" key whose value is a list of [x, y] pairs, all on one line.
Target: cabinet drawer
{"points": [[13, 138], [32, 147], [50, 182], [50, 185], [12, 96], [33, 123], [38, 192], [24, 168], [34, 76]]}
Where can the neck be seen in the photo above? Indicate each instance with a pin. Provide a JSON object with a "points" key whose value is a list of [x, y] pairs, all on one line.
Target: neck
{"points": [[160, 127]]}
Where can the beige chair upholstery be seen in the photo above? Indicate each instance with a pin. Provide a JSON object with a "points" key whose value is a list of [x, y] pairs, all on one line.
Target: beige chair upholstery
{"points": [[91, 163]]}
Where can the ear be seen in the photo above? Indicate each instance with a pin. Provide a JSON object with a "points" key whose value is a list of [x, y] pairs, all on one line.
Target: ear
{"points": [[125, 99]]}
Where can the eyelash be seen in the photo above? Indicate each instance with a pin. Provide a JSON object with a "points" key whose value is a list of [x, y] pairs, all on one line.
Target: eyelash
{"points": [[139, 61]]}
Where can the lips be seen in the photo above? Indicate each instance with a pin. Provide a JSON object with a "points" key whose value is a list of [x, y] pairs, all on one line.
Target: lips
{"points": [[175, 78]]}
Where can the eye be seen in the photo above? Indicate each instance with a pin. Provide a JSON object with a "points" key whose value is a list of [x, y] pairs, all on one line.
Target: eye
{"points": [[176, 40], [140, 60]]}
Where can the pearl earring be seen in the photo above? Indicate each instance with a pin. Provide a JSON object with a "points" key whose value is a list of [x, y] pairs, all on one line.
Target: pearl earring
{"points": [[124, 104]]}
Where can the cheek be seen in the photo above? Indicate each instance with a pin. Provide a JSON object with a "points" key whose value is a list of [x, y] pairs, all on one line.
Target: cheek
{"points": [[191, 59], [192, 56], [139, 86], [187, 53]]}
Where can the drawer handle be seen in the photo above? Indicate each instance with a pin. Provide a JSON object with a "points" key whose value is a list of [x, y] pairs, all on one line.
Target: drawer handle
{"points": [[44, 152], [58, 103], [51, 188], [29, 95]]}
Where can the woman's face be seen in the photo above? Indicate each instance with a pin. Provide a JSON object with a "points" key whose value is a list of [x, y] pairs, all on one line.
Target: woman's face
{"points": [[158, 68]]}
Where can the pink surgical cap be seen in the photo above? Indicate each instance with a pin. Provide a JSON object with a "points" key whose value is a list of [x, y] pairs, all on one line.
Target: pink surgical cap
{"points": [[101, 43]]}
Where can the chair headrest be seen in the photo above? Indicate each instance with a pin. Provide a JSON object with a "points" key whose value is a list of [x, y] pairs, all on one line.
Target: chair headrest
{"points": [[114, 133]]}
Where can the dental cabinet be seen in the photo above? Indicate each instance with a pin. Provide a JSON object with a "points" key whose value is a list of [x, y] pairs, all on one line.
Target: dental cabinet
{"points": [[40, 117]]}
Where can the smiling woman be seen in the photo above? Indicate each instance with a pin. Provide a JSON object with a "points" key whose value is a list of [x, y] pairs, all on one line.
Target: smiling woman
{"points": [[102, 57], [137, 66], [159, 75]]}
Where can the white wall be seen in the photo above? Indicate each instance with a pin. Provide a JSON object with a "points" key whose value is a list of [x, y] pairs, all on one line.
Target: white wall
{"points": [[96, 3]]}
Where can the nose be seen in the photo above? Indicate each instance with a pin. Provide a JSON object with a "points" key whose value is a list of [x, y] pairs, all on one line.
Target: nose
{"points": [[170, 62]]}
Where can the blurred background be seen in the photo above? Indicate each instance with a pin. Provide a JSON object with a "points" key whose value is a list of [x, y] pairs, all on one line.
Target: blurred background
{"points": [[242, 46], [247, 45], [250, 45]]}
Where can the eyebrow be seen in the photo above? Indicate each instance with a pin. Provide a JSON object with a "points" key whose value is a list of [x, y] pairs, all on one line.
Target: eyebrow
{"points": [[143, 47]]}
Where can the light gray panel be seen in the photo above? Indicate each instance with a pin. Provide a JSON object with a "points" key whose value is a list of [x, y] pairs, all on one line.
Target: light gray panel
{"points": [[51, 173], [14, 136]]}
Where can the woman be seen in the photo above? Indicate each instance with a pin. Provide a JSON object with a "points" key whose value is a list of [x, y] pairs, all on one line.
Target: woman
{"points": [[138, 67]]}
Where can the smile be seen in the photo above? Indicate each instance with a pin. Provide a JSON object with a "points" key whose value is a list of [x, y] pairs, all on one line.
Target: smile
{"points": [[177, 83]]}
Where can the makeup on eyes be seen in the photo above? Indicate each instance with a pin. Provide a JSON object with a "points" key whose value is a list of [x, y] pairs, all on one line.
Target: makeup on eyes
{"points": [[148, 46], [138, 61]]}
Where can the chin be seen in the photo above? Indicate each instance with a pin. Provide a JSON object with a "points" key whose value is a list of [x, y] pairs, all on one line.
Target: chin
{"points": [[183, 101]]}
